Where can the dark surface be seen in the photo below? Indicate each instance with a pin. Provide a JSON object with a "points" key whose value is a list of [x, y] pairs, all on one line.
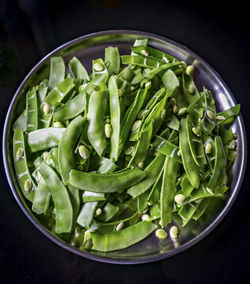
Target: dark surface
{"points": [[28, 31]]}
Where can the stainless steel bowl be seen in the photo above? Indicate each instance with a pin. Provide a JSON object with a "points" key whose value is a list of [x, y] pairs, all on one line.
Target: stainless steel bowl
{"points": [[92, 46]]}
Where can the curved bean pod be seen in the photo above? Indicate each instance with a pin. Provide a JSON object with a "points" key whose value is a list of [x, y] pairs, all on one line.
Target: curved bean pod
{"points": [[114, 118], [105, 183], [20, 164], [61, 199], [170, 172], [68, 142], [122, 239], [71, 109], [152, 171], [96, 112], [187, 158], [44, 138]]}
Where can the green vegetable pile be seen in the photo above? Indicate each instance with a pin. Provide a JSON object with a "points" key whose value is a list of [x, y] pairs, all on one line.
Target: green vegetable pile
{"points": [[107, 158]]}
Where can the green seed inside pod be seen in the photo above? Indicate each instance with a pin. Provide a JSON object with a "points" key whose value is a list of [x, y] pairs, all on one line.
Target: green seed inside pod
{"points": [[161, 234], [210, 114], [119, 226], [144, 52], [232, 145], [175, 109], [129, 150], [190, 70], [196, 131], [136, 125], [141, 165], [142, 113], [98, 67], [19, 153], [174, 232], [163, 113], [108, 130], [83, 152], [208, 148], [148, 85], [58, 124], [191, 88], [46, 109], [180, 198], [27, 185], [182, 111], [98, 211], [145, 217]]}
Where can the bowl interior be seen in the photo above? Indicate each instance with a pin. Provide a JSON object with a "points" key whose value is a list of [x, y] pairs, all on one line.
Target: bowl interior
{"points": [[92, 46]]}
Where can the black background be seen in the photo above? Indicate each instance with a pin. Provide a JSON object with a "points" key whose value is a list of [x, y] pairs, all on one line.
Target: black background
{"points": [[220, 34]]}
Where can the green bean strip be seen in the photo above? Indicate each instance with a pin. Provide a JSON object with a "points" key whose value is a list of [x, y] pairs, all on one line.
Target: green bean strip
{"points": [[142, 201], [157, 115], [202, 192], [127, 74], [21, 168], [44, 138], [190, 91], [187, 158], [195, 143], [152, 171], [67, 145], [42, 90], [155, 108], [151, 74], [58, 93], [86, 214], [122, 239], [32, 111], [173, 123], [111, 226], [98, 67], [57, 71], [187, 211], [186, 186], [219, 167], [153, 52], [71, 109], [114, 118], [61, 199], [140, 61], [107, 167], [171, 168], [96, 112], [78, 70], [154, 195], [208, 121], [89, 196], [108, 212], [105, 183], [130, 117], [140, 153], [21, 121], [170, 81], [167, 148], [228, 116], [112, 59], [201, 208], [42, 197]]}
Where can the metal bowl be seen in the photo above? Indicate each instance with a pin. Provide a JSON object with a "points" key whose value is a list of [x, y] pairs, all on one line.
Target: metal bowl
{"points": [[92, 46]]}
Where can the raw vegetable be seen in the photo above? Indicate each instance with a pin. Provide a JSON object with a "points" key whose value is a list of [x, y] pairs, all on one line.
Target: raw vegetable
{"points": [[112, 155]]}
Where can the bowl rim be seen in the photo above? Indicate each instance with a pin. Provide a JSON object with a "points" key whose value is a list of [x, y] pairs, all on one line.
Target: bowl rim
{"points": [[104, 259]]}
